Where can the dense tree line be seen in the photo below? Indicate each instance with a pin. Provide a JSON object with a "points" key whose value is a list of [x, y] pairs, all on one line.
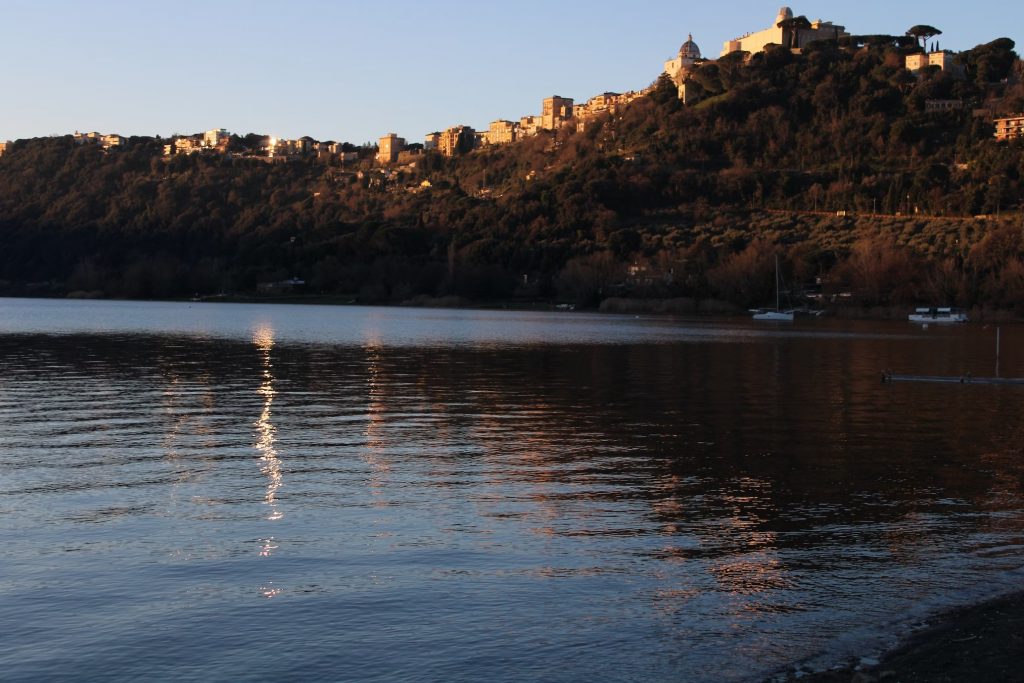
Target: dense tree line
{"points": [[659, 200]]}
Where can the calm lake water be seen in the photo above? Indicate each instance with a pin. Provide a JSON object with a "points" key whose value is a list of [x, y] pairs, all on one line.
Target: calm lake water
{"points": [[228, 492]]}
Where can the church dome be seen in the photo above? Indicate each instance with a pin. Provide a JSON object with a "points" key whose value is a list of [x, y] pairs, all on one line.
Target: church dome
{"points": [[690, 49]]}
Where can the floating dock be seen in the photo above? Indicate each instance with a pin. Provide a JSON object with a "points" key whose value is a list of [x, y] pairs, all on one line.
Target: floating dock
{"points": [[889, 378]]}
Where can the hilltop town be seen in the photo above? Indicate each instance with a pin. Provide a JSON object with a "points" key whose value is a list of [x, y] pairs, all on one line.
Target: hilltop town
{"points": [[879, 168], [787, 31]]}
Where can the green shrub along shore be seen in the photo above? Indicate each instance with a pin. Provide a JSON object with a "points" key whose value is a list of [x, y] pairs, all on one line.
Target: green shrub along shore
{"points": [[830, 159]]}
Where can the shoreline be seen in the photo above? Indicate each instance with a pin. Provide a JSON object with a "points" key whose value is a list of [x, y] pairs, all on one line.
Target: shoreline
{"points": [[685, 307], [983, 642]]}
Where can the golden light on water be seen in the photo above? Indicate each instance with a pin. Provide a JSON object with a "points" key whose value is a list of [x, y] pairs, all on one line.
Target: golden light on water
{"points": [[266, 433], [376, 445], [267, 547]]}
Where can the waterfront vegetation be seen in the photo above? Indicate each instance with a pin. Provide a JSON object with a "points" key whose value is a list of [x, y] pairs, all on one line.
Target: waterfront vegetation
{"points": [[829, 158]]}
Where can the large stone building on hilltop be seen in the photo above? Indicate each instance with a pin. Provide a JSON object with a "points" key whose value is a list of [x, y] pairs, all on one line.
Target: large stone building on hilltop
{"points": [[389, 148], [679, 69], [794, 36], [556, 112], [943, 59]]}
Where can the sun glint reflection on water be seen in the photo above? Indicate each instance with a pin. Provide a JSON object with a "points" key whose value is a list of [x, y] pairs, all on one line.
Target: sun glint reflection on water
{"points": [[376, 420], [263, 338]]}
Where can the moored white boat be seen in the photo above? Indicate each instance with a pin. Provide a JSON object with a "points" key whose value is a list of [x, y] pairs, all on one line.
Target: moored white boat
{"points": [[938, 315], [770, 315]]}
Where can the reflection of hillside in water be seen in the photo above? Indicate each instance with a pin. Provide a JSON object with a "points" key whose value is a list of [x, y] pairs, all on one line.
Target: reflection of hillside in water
{"points": [[757, 493], [718, 451], [779, 434], [766, 437]]}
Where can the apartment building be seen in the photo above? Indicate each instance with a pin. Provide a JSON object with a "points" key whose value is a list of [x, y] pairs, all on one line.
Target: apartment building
{"points": [[1010, 127], [502, 132], [456, 140]]}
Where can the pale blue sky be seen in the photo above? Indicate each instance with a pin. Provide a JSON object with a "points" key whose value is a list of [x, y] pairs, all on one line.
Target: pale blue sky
{"points": [[356, 69]]}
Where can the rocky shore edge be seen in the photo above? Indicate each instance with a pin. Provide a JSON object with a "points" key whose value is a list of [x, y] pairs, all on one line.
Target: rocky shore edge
{"points": [[982, 642]]}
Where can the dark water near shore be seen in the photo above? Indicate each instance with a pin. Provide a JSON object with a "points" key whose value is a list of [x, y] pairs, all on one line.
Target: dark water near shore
{"points": [[216, 492]]}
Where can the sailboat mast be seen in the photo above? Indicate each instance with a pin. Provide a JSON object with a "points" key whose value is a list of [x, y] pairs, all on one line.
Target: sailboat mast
{"points": [[777, 307]]}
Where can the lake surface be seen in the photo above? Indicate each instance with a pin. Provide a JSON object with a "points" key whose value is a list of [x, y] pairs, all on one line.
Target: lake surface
{"points": [[217, 492]]}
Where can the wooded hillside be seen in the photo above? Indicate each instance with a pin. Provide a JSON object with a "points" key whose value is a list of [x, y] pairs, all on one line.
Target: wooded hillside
{"points": [[829, 158]]}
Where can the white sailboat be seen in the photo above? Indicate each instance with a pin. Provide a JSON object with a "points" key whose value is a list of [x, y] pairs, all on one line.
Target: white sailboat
{"points": [[777, 315]]}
